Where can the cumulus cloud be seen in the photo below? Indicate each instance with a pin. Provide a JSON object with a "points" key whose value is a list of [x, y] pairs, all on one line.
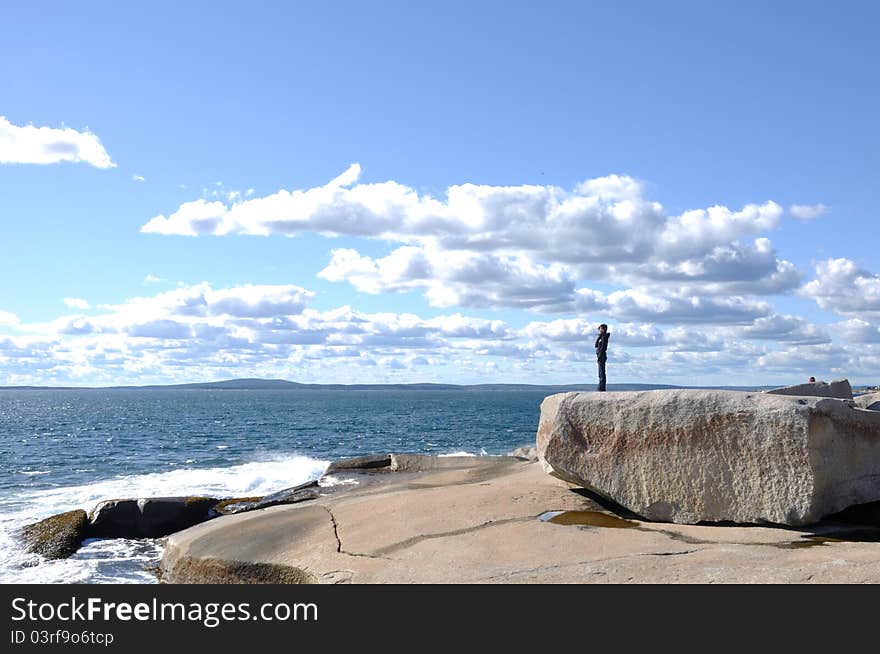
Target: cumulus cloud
{"points": [[536, 237], [694, 232], [76, 303], [734, 268], [604, 219], [809, 359], [47, 145], [200, 332], [845, 288], [640, 305], [807, 211], [7, 318], [786, 328], [238, 331], [456, 278], [859, 331]]}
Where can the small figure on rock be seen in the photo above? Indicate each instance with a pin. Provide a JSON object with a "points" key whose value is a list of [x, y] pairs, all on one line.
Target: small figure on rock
{"points": [[812, 380], [602, 353]]}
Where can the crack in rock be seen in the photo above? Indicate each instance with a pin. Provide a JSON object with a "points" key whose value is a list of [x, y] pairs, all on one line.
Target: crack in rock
{"points": [[672, 553], [409, 542], [339, 542]]}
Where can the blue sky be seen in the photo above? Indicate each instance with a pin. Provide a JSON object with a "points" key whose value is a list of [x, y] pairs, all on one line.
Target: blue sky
{"points": [[179, 195]]}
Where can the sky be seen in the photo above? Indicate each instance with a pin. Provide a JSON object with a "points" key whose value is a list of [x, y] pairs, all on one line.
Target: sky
{"points": [[458, 192]]}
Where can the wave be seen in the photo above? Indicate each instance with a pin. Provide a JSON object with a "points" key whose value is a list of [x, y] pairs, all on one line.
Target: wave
{"points": [[120, 560]]}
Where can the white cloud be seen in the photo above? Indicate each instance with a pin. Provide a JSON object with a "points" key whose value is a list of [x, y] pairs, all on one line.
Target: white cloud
{"points": [[76, 303], [845, 288], [731, 269], [807, 211], [455, 278], [786, 329], [47, 145], [153, 279], [646, 305], [7, 318], [521, 246], [138, 178], [695, 232], [200, 332], [602, 220], [821, 361], [859, 331]]}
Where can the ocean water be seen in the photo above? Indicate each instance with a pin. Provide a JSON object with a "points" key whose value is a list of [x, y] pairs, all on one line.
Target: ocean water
{"points": [[68, 449]]}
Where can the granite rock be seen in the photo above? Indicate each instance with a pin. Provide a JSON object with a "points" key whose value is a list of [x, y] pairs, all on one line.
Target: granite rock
{"points": [[690, 456]]}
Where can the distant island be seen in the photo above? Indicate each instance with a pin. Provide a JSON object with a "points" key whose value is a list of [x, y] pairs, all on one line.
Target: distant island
{"points": [[283, 384]]}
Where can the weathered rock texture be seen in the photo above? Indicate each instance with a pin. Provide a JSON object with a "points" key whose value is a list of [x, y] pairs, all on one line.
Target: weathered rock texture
{"points": [[839, 389], [871, 401], [58, 536], [689, 456], [151, 517]]}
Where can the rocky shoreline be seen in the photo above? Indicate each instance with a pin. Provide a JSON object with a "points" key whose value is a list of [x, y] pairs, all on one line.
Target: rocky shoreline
{"points": [[504, 520], [644, 487]]}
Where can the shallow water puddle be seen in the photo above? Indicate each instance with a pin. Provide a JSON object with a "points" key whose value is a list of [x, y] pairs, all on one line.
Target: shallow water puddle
{"points": [[586, 519], [828, 538]]}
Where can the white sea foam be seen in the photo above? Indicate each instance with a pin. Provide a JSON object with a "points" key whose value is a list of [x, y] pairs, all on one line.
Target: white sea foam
{"points": [[120, 560], [330, 481], [463, 453]]}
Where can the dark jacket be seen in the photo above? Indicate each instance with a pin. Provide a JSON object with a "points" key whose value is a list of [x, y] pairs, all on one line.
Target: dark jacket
{"points": [[602, 346]]}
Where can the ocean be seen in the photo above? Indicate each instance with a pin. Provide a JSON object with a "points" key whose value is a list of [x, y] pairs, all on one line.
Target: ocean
{"points": [[67, 449]]}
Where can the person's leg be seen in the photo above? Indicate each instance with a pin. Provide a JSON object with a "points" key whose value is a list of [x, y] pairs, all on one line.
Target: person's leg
{"points": [[601, 375]]}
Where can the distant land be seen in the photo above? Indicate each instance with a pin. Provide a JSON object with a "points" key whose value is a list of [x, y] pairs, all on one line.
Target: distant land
{"points": [[283, 384]]}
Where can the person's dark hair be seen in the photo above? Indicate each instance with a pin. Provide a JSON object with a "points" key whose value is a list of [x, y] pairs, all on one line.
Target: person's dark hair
{"points": [[603, 326]]}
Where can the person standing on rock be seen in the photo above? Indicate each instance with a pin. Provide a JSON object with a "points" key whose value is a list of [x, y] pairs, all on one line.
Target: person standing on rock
{"points": [[602, 353]]}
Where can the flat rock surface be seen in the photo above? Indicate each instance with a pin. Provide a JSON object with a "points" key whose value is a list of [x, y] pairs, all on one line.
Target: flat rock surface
{"points": [[501, 520]]}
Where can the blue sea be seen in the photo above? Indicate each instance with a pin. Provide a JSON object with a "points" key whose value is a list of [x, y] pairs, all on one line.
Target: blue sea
{"points": [[68, 449]]}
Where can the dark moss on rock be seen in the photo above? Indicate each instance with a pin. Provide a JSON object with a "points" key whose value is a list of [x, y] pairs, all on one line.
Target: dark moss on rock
{"points": [[58, 536], [192, 570]]}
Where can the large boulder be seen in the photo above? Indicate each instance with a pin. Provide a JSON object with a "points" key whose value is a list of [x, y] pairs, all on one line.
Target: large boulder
{"points": [[840, 389], [871, 401], [690, 456], [151, 517], [56, 537]]}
